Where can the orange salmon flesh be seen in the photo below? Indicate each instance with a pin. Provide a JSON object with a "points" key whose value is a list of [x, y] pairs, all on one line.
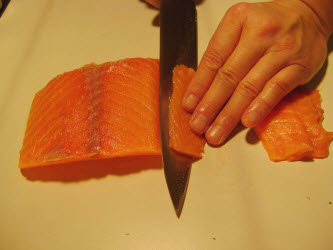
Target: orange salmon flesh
{"points": [[110, 111], [106, 111], [293, 131]]}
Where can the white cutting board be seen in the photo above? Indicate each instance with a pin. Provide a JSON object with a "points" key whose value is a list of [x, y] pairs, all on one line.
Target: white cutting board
{"points": [[237, 198]]}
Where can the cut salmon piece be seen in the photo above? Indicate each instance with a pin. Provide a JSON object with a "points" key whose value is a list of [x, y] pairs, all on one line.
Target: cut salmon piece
{"points": [[293, 131], [99, 112], [182, 139], [95, 112]]}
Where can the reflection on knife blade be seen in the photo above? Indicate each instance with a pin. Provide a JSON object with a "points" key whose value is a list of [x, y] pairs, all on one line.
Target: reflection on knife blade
{"points": [[178, 45]]}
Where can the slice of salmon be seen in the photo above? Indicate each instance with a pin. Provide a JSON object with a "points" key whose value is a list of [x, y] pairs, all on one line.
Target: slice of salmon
{"points": [[182, 139], [100, 112], [293, 131]]}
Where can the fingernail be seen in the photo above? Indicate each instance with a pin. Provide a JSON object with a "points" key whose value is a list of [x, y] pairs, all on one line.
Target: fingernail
{"points": [[217, 134], [199, 123], [190, 102], [251, 118]]}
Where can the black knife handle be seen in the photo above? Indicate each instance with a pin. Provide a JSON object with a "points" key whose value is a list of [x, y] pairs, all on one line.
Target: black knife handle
{"points": [[4, 6], [178, 38]]}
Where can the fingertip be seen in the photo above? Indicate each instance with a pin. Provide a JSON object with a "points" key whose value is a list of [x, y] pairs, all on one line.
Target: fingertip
{"points": [[246, 124], [215, 135], [250, 119], [190, 102], [199, 123]]}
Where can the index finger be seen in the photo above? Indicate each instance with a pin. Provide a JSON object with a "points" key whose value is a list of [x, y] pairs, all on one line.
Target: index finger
{"points": [[220, 47]]}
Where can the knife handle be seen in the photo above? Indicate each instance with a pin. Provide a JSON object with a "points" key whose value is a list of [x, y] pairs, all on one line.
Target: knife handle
{"points": [[3, 6]]}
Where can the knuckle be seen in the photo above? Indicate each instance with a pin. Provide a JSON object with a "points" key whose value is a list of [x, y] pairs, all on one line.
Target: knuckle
{"points": [[280, 86], [197, 87], [248, 89], [296, 22], [226, 118], [267, 107], [305, 72], [228, 78], [304, 65], [288, 42], [238, 9], [209, 110], [304, 69], [268, 27], [212, 59]]}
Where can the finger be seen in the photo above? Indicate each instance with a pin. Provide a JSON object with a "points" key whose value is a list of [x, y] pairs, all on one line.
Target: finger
{"points": [[278, 87], [247, 90], [220, 47], [156, 3], [225, 82]]}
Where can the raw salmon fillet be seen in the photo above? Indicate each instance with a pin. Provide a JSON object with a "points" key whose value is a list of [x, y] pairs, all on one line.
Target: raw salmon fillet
{"points": [[97, 112], [293, 131], [182, 139]]}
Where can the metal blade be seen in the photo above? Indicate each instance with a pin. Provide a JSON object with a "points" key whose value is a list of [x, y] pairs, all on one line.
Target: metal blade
{"points": [[178, 45]]}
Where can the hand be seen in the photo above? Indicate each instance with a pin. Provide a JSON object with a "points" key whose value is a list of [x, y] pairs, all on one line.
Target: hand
{"points": [[258, 54]]}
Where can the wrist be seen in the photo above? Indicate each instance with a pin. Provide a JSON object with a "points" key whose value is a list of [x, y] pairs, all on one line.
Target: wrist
{"points": [[323, 9]]}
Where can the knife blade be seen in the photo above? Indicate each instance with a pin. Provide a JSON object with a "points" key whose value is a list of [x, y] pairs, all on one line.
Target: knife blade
{"points": [[178, 45]]}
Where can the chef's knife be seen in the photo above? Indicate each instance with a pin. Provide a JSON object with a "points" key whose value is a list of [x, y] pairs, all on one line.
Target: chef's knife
{"points": [[3, 6], [178, 45]]}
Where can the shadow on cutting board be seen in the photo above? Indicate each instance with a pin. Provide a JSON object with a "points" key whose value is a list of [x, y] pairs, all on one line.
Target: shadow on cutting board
{"points": [[239, 128], [79, 171]]}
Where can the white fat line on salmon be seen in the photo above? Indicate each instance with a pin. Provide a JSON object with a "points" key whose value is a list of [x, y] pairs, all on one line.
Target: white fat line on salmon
{"points": [[94, 86]]}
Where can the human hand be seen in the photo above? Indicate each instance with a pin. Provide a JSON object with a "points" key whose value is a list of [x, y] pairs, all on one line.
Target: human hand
{"points": [[258, 54]]}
